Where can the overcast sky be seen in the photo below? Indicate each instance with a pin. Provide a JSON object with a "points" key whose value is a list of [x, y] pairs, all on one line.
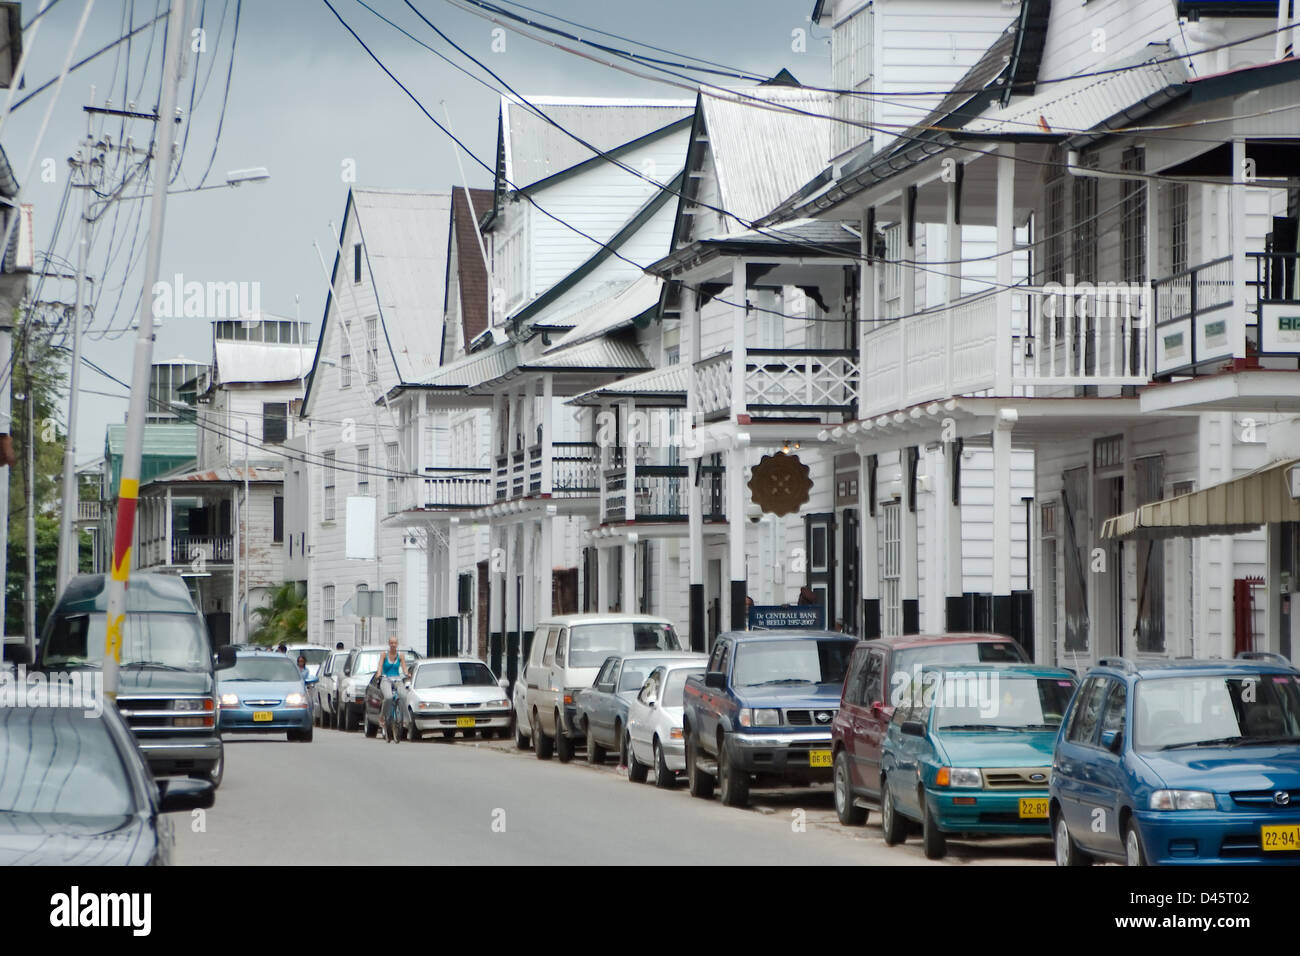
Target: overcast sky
{"points": [[304, 99]]}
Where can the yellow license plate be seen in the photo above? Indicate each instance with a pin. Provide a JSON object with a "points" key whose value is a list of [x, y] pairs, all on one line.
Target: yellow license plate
{"points": [[1280, 837], [261, 716], [819, 758], [1033, 808], [464, 721]]}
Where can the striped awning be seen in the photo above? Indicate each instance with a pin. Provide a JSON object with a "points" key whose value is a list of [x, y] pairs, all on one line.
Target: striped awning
{"points": [[1233, 507]]}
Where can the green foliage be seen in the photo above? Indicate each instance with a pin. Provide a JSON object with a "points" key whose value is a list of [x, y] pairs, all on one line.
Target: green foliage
{"points": [[284, 619]]}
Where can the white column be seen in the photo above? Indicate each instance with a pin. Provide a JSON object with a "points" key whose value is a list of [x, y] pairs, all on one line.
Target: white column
{"points": [[415, 627], [1002, 502], [167, 555], [603, 576], [1006, 238], [453, 583], [511, 598], [869, 546], [546, 562], [529, 565], [951, 519], [237, 635], [629, 465], [737, 524], [548, 438], [1240, 262], [908, 553], [629, 574], [738, 316]]}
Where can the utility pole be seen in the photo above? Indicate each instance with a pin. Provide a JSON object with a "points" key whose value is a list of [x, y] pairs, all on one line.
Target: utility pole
{"points": [[29, 488], [69, 538], [129, 489]]}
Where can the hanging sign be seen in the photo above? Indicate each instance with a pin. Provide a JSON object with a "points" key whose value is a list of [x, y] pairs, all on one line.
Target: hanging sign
{"points": [[780, 484]]}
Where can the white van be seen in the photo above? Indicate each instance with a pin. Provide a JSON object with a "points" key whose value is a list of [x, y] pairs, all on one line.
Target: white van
{"points": [[566, 655]]}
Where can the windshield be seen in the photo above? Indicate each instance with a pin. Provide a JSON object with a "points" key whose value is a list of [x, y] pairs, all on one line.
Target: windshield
{"points": [[262, 668], [453, 674], [590, 644], [986, 700], [791, 662], [314, 655], [1212, 710], [675, 684], [635, 672], [58, 760], [166, 640]]}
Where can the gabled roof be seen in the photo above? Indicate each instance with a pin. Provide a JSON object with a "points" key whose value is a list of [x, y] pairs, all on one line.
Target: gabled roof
{"points": [[661, 388], [469, 269], [613, 312]]}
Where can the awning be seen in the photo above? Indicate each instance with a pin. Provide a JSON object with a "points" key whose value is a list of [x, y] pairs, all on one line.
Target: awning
{"points": [[1233, 507]]}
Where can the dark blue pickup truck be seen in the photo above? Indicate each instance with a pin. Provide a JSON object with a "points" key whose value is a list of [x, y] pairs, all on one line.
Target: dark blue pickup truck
{"points": [[764, 709]]}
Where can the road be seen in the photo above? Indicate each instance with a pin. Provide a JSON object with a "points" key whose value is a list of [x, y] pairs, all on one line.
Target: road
{"points": [[344, 799]]}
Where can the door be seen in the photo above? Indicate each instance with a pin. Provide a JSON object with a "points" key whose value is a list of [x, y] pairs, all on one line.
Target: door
{"points": [[554, 665], [850, 546], [1072, 771], [600, 710], [1074, 499], [819, 540], [1110, 586], [1101, 797], [870, 722]]}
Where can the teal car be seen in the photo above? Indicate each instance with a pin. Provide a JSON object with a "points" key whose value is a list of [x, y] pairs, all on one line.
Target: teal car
{"points": [[969, 751]]}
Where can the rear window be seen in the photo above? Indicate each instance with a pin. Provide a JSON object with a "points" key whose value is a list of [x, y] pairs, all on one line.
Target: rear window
{"points": [[590, 644], [262, 669], [453, 674]]}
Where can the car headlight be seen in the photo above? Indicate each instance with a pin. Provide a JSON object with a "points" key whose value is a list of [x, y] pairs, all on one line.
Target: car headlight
{"points": [[192, 703], [432, 705], [499, 702], [767, 717], [1182, 800], [959, 777], [296, 700], [745, 717], [229, 700]]}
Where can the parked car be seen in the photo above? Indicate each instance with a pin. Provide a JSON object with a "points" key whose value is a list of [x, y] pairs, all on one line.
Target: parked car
{"points": [[566, 654], [264, 693], [325, 709], [358, 668], [654, 724], [315, 654], [969, 751], [447, 694], [105, 809], [601, 709], [519, 720], [167, 678], [764, 706], [881, 672], [1180, 762]]}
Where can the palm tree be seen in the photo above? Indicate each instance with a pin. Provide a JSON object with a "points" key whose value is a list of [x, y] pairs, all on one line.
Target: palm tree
{"points": [[284, 619]]}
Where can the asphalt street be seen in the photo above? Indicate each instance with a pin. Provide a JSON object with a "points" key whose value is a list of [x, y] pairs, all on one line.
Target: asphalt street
{"points": [[345, 799]]}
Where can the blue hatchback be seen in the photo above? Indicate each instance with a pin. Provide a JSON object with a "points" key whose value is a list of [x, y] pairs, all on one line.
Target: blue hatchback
{"points": [[264, 693], [1180, 762]]}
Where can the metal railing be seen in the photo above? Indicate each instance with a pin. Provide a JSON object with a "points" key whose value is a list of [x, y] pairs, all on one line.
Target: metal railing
{"points": [[454, 488], [215, 548], [574, 471], [662, 493]]}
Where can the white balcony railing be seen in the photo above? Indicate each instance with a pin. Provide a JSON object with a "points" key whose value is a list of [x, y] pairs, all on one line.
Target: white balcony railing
{"points": [[1052, 341], [453, 488], [780, 381]]}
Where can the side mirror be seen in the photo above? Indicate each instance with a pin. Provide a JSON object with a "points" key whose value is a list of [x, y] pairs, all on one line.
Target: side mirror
{"points": [[503, 684], [914, 728], [1112, 740], [179, 794], [716, 680], [651, 702], [225, 659]]}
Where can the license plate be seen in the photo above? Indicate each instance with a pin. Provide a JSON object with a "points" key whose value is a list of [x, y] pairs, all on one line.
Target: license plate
{"points": [[464, 721], [261, 716], [1280, 837], [819, 758], [1033, 808]]}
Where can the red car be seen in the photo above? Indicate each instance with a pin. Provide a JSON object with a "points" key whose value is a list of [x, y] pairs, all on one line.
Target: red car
{"points": [[879, 672]]}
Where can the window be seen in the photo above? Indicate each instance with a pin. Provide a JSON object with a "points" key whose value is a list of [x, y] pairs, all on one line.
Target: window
{"points": [[345, 370], [1049, 582], [1112, 716], [275, 422], [277, 519], [873, 688], [1178, 228], [327, 615], [891, 568], [548, 655], [363, 470], [1087, 712], [390, 609], [1148, 474], [1054, 241], [1084, 235], [851, 69], [327, 497], [1133, 232], [356, 262], [392, 484], [372, 349]]}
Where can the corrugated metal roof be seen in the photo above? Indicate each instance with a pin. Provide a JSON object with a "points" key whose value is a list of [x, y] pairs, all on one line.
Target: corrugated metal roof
{"points": [[603, 353], [405, 236], [475, 369], [800, 231], [611, 313], [162, 440], [246, 362], [535, 149], [669, 381], [1085, 103], [764, 154], [229, 473]]}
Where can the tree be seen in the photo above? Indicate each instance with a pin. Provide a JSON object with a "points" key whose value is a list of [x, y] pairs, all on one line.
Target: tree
{"points": [[284, 619]]}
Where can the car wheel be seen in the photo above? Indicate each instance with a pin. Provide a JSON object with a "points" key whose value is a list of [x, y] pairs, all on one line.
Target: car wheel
{"points": [[892, 825], [699, 783], [733, 784], [622, 743], [412, 731], [932, 838], [543, 746], [1134, 855], [1067, 851], [665, 779], [595, 752], [448, 734], [349, 719], [850, 814], [315, 713], [214, 774], [636, 770], [563, 742], [371, 729], [305, 736], [521, 739]]}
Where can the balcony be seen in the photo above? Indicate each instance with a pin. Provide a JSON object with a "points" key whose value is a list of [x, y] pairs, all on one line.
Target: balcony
{"points": [[449, 489], [87, 511], [780, 383], [662, 494], [574, 471], [215, 548], [1051, 347]]}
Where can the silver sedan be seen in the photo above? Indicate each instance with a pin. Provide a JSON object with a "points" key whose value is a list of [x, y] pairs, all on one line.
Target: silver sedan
{"points": [[654, 725], [450, 695]]}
